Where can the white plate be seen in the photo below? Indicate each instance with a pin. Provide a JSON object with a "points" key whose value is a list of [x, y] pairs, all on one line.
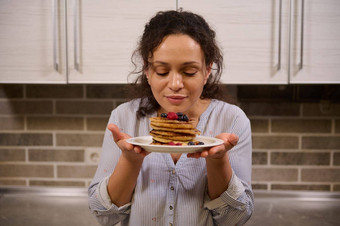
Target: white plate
{"points": [[145, 143]]}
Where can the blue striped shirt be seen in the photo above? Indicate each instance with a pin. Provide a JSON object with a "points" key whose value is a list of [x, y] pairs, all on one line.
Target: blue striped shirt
{"points": [[176, 194]]}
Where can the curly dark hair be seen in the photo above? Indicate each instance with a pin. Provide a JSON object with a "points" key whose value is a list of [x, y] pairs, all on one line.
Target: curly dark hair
{"points": [[174, 22]]}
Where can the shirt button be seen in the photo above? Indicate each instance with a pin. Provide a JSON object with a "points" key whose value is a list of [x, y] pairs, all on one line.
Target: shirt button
{"points": [[170, 207], [172, 188]]}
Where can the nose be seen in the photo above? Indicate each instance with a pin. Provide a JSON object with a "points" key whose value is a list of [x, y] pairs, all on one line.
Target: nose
{"points": [[176, 81]]}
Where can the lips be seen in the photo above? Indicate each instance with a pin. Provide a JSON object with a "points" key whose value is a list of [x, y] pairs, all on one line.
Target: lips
{"points": [[175, 99]]}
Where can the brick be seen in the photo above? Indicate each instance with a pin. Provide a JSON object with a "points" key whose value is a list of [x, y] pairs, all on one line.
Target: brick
{"points": [[274, 174], [320, 175], [11, 91], [305, 187], [79, 171], [265, 92], [301, 126], [84, 107], [26, 170], [316, 92], [51, 183], [106, 91], [259, 158], [259, 186], [336, 187], [25, 139], [56, 155], [321, 109], [55, 123], [271, 109], [275, 142], [337, 126], [336, 159], [12, 123], [23, 107], [54, 91], [12, 154], [317, 142], [299, 158], [259, 125], [96, 123], [83, 140], [12, 182]]}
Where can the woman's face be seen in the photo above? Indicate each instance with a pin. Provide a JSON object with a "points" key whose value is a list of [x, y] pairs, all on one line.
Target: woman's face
{"points": [[177, 74]]}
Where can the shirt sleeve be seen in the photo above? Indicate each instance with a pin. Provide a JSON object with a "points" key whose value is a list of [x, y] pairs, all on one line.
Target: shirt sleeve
{"points": [[236, 204], [100, 204]]}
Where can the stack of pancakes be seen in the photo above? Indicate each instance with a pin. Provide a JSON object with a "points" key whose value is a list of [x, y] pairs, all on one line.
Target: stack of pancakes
{"points": [[166, 131]]}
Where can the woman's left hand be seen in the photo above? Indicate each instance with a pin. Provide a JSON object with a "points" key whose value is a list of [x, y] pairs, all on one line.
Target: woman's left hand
{"points": [[218, 152]]}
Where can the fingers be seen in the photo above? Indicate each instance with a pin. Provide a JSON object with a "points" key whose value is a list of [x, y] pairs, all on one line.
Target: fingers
{"points": [[230, 140], [117, 135]]}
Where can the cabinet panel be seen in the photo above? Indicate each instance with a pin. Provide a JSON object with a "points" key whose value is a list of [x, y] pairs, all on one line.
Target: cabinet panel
{"points": [[26, 42], [107, 36], [315, 44], [253, 35]]}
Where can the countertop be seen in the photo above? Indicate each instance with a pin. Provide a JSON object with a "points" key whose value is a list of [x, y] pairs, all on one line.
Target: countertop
{"points": [[69, 206]]}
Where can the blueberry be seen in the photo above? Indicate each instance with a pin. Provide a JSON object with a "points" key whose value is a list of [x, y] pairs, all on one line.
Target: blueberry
{"points": [[180, 118], [185, 118], [164, 115], [200, 143], [191, 143], [179, 114]]}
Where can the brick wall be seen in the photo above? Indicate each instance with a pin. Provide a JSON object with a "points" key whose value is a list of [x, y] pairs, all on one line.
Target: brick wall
{"points": [[50, 135]]}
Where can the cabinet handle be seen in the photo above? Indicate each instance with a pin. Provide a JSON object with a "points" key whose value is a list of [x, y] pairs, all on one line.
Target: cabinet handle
{"points": [[301, 37], [55, 35], [76, 32], [280, 30]]}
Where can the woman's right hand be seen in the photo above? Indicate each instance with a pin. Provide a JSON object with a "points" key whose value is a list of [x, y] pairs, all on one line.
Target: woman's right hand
{"points": [[130, 152]]}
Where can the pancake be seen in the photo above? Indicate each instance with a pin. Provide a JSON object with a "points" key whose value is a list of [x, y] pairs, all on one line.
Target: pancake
{"points": [[174, 131]]}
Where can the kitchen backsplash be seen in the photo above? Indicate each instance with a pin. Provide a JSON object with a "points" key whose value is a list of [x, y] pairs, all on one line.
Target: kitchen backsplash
{"points": [[51, 135]]}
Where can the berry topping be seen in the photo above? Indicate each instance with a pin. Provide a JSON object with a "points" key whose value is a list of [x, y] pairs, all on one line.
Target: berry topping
{"points": [[191, 143], [179, 144], [185, 118], [172, 116], [164, 115], [200, 143], [179, 114]]}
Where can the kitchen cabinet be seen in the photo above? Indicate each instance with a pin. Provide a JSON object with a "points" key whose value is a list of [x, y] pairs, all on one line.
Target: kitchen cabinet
{"points": [[32, 43], [79, 41], [315, 41], [71, 41], [261, 39], [252, 36]]}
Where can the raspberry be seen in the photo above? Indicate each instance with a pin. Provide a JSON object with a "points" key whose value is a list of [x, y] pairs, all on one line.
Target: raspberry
{"points": [[178, 144], [171, 143], [172, 116]]}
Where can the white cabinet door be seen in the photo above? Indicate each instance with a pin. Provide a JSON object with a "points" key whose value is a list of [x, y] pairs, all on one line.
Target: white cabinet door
{"points": [[315, 56], [253, 35], [27, 38], [106, 36]]}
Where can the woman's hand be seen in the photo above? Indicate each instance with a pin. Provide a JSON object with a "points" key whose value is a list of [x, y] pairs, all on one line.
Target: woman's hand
{"points": [[218, 152], [129, 151]]}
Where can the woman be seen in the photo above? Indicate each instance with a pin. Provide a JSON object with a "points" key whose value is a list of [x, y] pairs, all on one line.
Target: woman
{"points": [[212, 187]]}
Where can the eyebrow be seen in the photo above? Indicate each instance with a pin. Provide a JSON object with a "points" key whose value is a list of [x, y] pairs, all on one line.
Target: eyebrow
{"points": [[164, 63]]}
